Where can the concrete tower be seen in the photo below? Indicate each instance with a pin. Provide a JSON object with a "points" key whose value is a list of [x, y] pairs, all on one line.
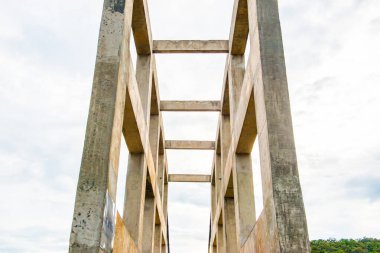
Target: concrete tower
{"points": [[254, 106]]}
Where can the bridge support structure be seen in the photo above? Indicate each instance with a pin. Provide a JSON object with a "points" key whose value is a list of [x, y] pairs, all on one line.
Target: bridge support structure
{"points": [[254, 107]]}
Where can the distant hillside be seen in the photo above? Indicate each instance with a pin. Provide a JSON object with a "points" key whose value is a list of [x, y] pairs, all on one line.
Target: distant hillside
{"points": [[365, 245]]}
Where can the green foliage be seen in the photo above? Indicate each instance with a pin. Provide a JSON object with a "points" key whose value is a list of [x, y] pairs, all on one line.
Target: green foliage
{"points": [[365, 245]]}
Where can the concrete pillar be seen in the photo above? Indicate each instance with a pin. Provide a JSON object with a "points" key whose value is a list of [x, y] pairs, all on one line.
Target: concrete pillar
{"points": [[93, 223], [218, 176], [220, 239], [157, 239], [144, 81], [163, 248], [244, 197], [225, 139], [242, 165], [236, 73], [134, 198], [230, 225], [160, 180], [213, 196], [283, 201], [149, 224]]}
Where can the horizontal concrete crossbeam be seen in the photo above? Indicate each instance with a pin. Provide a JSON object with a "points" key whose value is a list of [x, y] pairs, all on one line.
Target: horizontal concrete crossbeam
{"points": [[190, 106], [190, 46], [181, 144], [186, 178]]}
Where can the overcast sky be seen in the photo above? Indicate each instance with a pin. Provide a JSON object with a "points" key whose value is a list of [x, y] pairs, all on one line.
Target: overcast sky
{"points": [[47, 56]]}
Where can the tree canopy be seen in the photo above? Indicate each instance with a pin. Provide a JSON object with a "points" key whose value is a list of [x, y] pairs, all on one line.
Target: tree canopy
{"points": [[365, 245]]}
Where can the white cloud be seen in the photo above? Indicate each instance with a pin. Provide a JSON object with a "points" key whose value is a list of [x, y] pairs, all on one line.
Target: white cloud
{"points": [[332, 59]]}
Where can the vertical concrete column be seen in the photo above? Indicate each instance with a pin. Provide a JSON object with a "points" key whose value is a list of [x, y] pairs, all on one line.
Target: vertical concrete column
{"points": [[225, 139], [221, 247], [160, 180], [218, 176], [144, 81], [165, 199], [283, 203], [230, 225], [134, 200], [157, 239], [245, 213], [164, 244], [230, 237], [93, 224], [149, 223], [225, 134], [213, 196], [244, 197], [236, 73], [160, 176], [154, 135], [165, 210], [163, 248], [150, 201]]}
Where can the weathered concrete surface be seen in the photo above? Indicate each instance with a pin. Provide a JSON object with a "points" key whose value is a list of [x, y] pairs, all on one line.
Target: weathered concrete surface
{"points": [[136, 107], [188, 106], [141, 28], [157, 239], [245, 213], [221, 240], [280, 177], [239, 28], [260, 109], [232, 245], [258, 240], [149, 224], [99, 166], [118, 104], [190, 46], [244, 197], [189, 178], [134, 198], [254, 106], [123, 242], [182, 144]]}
